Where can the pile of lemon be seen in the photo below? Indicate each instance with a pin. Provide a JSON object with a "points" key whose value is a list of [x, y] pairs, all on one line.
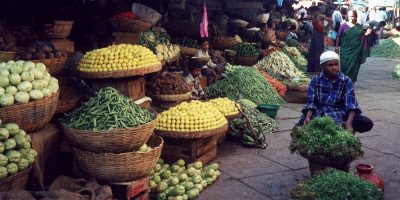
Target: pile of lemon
{"points": [[118, 57], [225, 106], [192, 116]]}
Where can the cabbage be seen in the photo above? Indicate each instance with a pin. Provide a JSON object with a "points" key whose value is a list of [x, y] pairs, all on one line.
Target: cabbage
{"points": [[20, 62], [30, 65], [53, 80], [36, 94], [15, 79], [41, 67], [25, 86], [4, 134], [21, 132], [11, 90], [3, 160], [12, 168], [46, 92], [16, 69], [23, 164], [22, 97], [4, 72], [38, 74], [6, 100], [10, 144], [37, 84], [47, 77], [2, 65], [13, 128], [10, 62], [2, 91], [53, 87], [4, 81], [27, 76]]}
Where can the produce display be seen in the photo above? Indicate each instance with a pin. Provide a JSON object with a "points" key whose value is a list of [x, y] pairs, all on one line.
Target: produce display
{"points": [[225, 106], [166, 83], [151, 39], [279, 86], [118, 57], [180, 181], [334, 184], [16, 153], [21, 82], [244, 82], [389, 48], [166, 52], [107, 110], [192, 116], [39, 52], [185, 42], [323, 137], [279, 66], [296, 57], [251, 128], [246, 50]]}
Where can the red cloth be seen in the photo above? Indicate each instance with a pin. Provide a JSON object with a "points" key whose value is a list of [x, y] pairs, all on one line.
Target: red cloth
{"points": [[204, 23], [318, 25]]}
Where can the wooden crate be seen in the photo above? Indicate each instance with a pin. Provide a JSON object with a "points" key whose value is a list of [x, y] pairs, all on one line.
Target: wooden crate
{"points": [[204, 150], [63, 45], [134, 190], [133, 87]]}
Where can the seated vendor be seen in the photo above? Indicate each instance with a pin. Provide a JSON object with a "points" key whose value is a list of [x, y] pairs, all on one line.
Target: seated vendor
{"points": [[44, 30], [193, 79], [331, 93], [210, 69]]}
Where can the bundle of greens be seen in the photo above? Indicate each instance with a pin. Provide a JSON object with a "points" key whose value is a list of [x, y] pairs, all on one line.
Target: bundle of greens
{"points": [[389, 48], [336, 185], [247, 50], [323, 137], [244, 82], [297, 58], [251, 128]]}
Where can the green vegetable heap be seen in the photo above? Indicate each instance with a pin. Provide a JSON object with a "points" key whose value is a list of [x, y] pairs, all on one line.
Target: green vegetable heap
{"points": [[296, 57], [323, 137], [107, 110], [251, 132], [246, 82], [181, 182], [336, 185], [16, 153], [151, 39], [246, 50], [389, 48]]}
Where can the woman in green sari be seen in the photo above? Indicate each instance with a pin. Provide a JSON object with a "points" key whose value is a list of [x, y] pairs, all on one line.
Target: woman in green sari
{"points": [[354, 49]]}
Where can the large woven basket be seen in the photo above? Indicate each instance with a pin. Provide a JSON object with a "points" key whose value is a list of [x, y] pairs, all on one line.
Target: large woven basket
{"points": [[54, 65], [126, 37], [188, 51], [172, 97], [15, 182], [193, 134], [222, 43], [113, 141], [145, 13], [122, 73], [129, 25], [70, 95], [62, 29], [124, 167], [246, 60], [31, 116], [7, 56]]}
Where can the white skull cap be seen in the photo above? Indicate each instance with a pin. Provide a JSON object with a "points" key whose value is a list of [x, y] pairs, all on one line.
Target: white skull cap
{"points": [[327, 56]]}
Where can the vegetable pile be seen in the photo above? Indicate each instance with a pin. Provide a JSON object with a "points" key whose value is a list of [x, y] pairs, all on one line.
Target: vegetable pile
{"points": [[21, 82], [297, 58], [323, 137], [151, 39], [181, 182], [245, 82], [107, 110], [38, 52], [336, 185], [16, 153], [166, 83], [166, 52], [246, 50], [185, 42], [279, 86], [225, 106], [118, 57], [389, 48], [251, 128], [193, 116]]}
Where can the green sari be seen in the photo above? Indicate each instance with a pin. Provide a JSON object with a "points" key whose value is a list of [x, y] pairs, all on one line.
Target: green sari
{"points": [[352, 51]]}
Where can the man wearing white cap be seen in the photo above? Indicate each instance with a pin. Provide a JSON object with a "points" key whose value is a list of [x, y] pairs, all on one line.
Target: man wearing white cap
{"points": [[331, 94]]}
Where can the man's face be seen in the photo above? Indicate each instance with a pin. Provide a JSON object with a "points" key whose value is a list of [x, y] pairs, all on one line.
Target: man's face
{"points": [[331, 68], [196, 72], [205, 46]]}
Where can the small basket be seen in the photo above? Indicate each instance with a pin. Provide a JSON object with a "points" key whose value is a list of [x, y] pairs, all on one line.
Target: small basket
{"points": [[188, 51], [113, 141], [62, 29], [270, 110], [145, 13], [31, 116], [122, 73], [246, 60], [193, 134], [54, 65], [16, 182], [7, 55], [172, 97], [129, 25], [124, 167]]}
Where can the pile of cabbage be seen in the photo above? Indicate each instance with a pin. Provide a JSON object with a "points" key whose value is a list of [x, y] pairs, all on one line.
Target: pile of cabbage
{"points": [[16, 153], [181, 182], [24, 81]]}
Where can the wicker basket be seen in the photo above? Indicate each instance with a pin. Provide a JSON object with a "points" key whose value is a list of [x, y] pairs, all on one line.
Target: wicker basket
{"points": [[188, 51], [62, 29], [145, 13], [129, 25], [222, 43], [246, 60], [54, 65], [31, 116], [113, 141], [70, 95], [7, 55], [122, 73], [16, 182], [126, 38], [232, 117], [172, 97], [193, 134], [124, 167]]}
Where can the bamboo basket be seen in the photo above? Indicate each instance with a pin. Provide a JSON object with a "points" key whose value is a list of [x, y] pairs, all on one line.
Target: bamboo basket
{"points": [[16, 182], [7, 55], [246, 60], [53, 65], [172, 97], [130, 25], [145, 13], [62, 29], [193, 134], [124, 167], [122, 73], [31, 116], [126, 38], [112, 141]]}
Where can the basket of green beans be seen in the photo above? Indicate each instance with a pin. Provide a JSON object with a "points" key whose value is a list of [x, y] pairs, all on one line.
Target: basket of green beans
{"points": [[108, 123]]}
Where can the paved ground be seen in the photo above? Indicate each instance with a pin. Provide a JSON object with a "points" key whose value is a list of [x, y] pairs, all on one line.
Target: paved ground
{"points": [[271, 173]]}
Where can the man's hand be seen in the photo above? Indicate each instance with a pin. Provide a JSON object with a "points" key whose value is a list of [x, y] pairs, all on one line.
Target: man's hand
{"points": [[307, 120], [349, 126]]}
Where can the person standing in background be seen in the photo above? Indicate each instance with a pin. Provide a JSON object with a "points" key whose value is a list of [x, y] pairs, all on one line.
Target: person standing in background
{"points": [[300, 11], [381, 15], [372, 14], [359, 15], [336, 18], [364, 17]]}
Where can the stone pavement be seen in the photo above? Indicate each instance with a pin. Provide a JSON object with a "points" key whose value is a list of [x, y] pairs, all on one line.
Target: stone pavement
{"points": [[270, 173]]}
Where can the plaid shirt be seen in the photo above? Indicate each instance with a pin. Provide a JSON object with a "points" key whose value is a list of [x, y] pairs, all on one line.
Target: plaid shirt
{"points": [[331, 98]]}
